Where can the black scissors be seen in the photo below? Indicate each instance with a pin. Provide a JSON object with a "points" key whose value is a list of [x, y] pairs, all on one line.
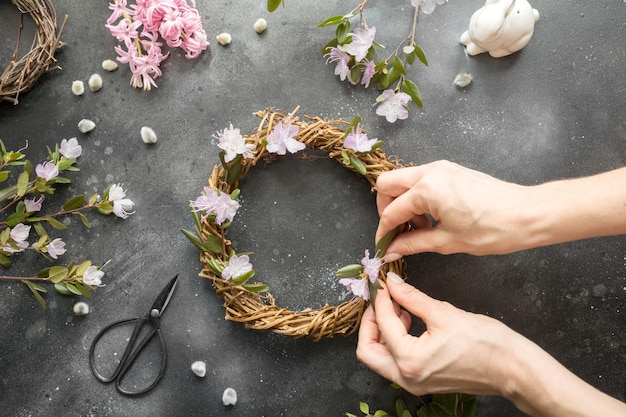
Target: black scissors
{"points": [[152, 320]]}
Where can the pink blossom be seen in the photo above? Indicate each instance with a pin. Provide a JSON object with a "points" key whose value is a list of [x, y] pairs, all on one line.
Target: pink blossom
{"points": [[205, 202], [237, 266], [282, 139], [56, 248], [125, 30], [70, 148], [93, 276], [357, 140], [121, 206], [195, 44], [368, 73], [47, 170], [428, 6], [357, 286], [32, 205], [393, 105], [225, 208], [342, 58], [119, 8], [19, 234], [234, 144], [372, 266], [362, 40]]}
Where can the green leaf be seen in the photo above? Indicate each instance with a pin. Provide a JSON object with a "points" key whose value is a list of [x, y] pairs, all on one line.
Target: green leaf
{"points": [[358, 165], [15, 218], [400, 407], [82, 289], [381, 413], [365, 409], [215, 266], [55, 223], [72, 288], [398, 65], [242, 278], [84, 219], [420, 54], [36, 289], [74, 203], [469, 405], [4, 175], [272, 5], [80, 269], [256, 287], [61, 180], [62, 289], [378, 144], [57, 273], [105, 208], [410, 58], [22, 184], [5, 261], [405, 413], [233, 173], [355, 75], [355, 121], [212, 244], [411, 89], [333, 20], [331, 44], [384, 242], [235, 194], [448, 402], [349, 271], [342, 31], [422, 412]]}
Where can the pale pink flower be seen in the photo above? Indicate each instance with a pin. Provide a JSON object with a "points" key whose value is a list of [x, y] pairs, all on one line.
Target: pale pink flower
{"points": [[93, 276], [393, 105], [195, 44], [225, 208], [237, 266], [341, 58], [56, 248], [357, 286], [125, 30], [427, 6], [362, 40], [282, 139], [368, 73], [121, 206], [372, 266], [205, 202], [357, 140], [234, 144], [171, 28], [70, 148], [32, 204], [19, 234], [47, 170]]}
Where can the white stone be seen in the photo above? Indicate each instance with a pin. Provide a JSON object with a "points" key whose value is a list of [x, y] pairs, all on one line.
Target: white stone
{"points": [[109, 65], [229, 397], [260, 25], [148, 135], [78, 87], [463, 79], [86, 125], [199, 368], [500, 27], [95, 82], [81, 308], [224, 38]]}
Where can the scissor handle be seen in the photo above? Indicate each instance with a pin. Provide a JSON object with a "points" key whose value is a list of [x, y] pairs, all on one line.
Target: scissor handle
{"points": [[130, 353]]}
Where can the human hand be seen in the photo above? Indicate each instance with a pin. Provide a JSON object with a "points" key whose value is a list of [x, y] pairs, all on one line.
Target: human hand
{"points": [[458, 352], [475, 213]]}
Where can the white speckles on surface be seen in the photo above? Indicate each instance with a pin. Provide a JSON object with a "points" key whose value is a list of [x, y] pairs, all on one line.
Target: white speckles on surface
{"points": [[108, 150]]}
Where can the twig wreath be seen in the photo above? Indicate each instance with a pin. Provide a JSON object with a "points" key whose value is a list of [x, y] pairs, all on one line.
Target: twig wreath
{"points": [[20, 76], [229, 270]]}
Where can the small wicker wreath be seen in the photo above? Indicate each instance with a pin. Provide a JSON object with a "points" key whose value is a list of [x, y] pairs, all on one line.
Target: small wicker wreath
{"points": [[259, 310], [20, 76]]}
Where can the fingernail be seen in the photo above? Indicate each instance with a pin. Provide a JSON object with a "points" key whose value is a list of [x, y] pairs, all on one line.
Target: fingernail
{"points": [[392, 257], [395, 277]]}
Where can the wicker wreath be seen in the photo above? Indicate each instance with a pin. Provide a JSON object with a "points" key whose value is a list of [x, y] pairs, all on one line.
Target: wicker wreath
{"points": [[20, 76], [258, 310]]}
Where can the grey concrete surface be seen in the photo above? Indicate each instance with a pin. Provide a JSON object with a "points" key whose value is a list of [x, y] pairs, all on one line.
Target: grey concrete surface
{"points": [[554, 110]]}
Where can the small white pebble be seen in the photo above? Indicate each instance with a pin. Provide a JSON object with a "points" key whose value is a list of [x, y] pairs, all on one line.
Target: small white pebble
{"points": [[81, 308], [95, 82], [109, 65], [148, 135], [78, 87], [229, 397], [224, 38], [86, 125], [260, 25], [199, 368], [463, 79]]}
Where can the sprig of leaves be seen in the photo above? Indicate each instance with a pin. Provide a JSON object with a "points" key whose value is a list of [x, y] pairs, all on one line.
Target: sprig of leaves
{"points": [[439, 405]]}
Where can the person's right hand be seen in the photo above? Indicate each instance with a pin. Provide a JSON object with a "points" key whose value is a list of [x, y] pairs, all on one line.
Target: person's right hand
{"points": [[474, 212]]}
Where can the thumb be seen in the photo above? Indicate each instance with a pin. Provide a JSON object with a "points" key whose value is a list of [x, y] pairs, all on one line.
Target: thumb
{"points": [[410, 298]]}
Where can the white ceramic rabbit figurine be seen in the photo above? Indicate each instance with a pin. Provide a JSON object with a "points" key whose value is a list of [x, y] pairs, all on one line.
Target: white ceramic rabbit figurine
{"points": [[500, 27]]}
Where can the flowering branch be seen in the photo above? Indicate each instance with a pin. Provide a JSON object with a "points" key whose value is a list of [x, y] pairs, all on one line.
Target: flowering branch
{"points": [[25, 199]]}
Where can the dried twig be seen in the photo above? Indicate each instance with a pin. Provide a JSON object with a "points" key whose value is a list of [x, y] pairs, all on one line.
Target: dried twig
{"points": [[20, 76]]}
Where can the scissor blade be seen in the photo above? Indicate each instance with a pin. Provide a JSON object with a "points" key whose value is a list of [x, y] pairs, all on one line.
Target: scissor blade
{"points": [[161, 302]]}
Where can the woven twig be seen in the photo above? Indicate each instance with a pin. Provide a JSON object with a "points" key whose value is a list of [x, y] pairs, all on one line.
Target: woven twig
{"points": [[259, 311], [20, 75]]}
